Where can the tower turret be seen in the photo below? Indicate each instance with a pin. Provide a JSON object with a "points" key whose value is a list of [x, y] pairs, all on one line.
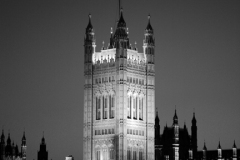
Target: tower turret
{"points": [[2, 146], [175, 137], [234, 148], [89, 42], [204, 152], [24, 147], [157, 129], [43, 153], [149, 43], [219, 151], [120, 38], [8, 148], [194, 136]]}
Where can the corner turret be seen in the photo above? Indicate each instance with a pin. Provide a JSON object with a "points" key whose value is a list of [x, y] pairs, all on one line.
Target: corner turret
{"points": [[149, 43]]}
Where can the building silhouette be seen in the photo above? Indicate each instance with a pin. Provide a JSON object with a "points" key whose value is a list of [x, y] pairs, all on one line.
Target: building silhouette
{"points": [[43, 153], [10, 151], [119, 95], [176, 143]]}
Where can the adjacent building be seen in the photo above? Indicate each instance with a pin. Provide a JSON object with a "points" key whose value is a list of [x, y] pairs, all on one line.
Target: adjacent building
{"points": [[43, 153], [10, 151]]}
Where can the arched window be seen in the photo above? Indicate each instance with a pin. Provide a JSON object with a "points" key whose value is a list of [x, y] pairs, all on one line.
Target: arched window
{"points": [[128, 153]]}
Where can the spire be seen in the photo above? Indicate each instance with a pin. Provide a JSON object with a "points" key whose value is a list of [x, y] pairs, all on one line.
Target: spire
{"points": [[2, 137], [24, 139], [149, 28], [204, 147], [219, 145], [43, 139], [121, 22], [156, 118], [234, 145], [194, 121], [121, 30], [9, 139], [89, 26], [175, 118]]}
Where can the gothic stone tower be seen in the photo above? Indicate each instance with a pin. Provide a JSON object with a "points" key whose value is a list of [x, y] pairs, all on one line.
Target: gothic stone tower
{"points": [[119, 97]]}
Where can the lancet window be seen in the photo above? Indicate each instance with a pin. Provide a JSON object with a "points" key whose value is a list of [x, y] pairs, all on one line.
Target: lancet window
{"points": [[98, 108], [135, 107]]}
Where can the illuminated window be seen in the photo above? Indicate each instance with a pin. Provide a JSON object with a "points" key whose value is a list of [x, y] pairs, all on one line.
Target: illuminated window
{"points": [[129, 107], [140, 108], [112, 106]]}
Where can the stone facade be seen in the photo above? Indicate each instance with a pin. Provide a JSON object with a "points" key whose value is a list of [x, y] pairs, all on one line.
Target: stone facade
{"points": [[119, 97]]}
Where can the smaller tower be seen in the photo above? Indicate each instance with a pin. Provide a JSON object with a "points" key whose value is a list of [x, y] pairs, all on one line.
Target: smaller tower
{"points": [[204, 152], [149, 43], [219, 151], [8, 148], [175, 137], [24, 147], [43, 153], [234, 151], [194, 136], [2, 146]]}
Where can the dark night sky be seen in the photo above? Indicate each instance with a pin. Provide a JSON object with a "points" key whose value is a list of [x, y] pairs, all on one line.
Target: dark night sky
{"points": [[41, 66]]}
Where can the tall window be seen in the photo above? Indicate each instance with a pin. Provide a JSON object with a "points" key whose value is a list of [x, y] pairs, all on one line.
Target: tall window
{"points": [[105, 154], [134, 155], [135, 108], [111, 156], [98, 155], [129, 107], [140, 108], [98, 109], [105, 108], [129, 153], [141, 155], [112, 106]]}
